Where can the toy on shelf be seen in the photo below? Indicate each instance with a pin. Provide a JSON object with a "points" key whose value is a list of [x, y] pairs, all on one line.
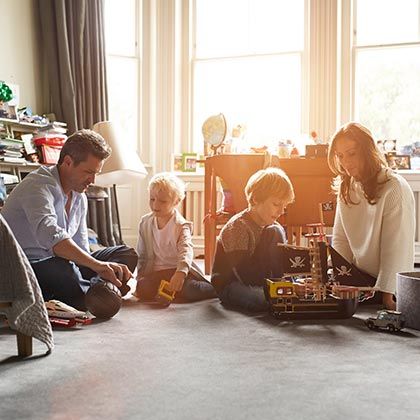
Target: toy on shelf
{"points": [[308, 288], [165, 296], [62, 314], [386, 319]]}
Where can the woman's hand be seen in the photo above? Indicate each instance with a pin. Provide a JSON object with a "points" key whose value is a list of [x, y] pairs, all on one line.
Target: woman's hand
{"points": [[177, 281]]}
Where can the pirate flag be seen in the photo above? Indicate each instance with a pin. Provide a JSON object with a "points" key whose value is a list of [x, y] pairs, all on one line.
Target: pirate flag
{"points": [[295, 260]]}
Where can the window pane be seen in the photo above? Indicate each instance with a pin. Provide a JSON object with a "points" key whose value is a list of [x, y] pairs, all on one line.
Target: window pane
{"points": [[122, 93], [240, 27], [262, 94], [276, 25], [120, 27], [387, 93], [387, 21]]}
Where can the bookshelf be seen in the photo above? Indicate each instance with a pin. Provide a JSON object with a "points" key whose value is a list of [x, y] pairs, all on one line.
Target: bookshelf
{"points": [[14, 170]]}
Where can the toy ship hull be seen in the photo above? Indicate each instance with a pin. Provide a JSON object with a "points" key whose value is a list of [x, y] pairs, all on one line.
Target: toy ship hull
{"points": [[295, 307], [329, 293]]}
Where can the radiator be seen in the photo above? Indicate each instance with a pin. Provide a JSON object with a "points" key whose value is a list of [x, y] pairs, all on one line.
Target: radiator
{"points": [[193, 208]]}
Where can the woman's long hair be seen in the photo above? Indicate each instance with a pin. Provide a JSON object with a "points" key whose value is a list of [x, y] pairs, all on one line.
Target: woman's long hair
{"points": [[372, 161]]}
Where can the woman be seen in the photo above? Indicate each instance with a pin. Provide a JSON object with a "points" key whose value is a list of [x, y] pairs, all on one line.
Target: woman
{"points": [[375, 222]]}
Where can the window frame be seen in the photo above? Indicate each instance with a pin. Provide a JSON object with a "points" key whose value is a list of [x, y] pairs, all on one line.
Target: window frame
{"points": [[304, 60], [348, 58]]}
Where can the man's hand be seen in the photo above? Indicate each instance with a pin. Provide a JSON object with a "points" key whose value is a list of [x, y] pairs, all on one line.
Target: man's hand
{"points": [[177, 281], [114, 272]]}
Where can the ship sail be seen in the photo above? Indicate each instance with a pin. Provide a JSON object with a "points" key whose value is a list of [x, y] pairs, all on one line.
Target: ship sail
{"points": [[295, 260], [347, 273]]}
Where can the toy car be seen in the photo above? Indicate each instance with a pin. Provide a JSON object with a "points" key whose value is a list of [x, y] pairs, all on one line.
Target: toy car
{"points": [[386, 319]]}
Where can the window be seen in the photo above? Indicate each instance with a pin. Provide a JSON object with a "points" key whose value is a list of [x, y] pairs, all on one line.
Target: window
{"points": [[248, 64], [387, 68], [123, 64]]}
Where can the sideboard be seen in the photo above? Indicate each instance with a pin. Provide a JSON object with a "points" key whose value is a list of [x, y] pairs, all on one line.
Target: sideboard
{"points": [[413, 178]]}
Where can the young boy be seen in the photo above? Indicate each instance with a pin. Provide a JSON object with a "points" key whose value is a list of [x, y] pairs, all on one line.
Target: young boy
{"points": [[165, 248], [246, 251]]}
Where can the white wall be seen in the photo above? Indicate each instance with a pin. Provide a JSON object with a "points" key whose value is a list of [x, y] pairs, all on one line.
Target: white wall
{"points": [[20, 56]]}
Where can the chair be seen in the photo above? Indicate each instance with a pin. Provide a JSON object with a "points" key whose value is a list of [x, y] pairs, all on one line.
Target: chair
{"points": [[24, 342], [311, 179], [234, 170]]}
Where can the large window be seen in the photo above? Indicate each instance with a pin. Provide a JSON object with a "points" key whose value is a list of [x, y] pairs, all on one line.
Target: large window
{"points": [[248, 64], [253, 61], [387, 68], [123, 64]]}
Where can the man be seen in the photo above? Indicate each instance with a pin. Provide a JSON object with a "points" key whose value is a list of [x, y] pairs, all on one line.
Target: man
{"points": [[47, 213]]}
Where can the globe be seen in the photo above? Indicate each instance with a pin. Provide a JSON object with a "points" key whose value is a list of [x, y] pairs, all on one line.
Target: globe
{"points": [[214, 131]]}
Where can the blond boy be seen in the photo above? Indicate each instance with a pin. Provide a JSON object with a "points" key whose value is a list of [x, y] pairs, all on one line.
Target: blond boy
{"points": [[165, 247], [247, 249]]}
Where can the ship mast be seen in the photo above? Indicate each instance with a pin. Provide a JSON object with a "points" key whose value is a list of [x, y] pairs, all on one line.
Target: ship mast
{"points": [[315, 236]]}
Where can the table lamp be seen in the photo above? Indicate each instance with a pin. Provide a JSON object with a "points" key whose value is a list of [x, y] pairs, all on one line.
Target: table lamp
{"points": [[122, 167]]}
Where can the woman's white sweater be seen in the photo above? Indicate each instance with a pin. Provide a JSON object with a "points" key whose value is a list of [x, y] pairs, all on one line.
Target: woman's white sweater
{"points": [[379, 238]]}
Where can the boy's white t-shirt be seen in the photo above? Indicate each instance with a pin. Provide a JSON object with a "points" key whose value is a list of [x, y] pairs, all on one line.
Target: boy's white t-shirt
{"points": [[164, 245]]}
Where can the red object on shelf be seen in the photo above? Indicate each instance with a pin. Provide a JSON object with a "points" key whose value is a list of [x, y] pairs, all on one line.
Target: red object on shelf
{"points": [[294, 153], [50, 141], [50, 154]]}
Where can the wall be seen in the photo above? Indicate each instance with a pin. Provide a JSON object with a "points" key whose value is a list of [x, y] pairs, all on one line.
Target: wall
{"points": [[20, 61]]}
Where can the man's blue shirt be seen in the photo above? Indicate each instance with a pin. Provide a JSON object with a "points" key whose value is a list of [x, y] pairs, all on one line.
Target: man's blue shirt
{"points": [[35, 211]]}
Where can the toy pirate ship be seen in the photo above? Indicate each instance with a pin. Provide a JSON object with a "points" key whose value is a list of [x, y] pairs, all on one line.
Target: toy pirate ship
{"points": [[308, 288]]}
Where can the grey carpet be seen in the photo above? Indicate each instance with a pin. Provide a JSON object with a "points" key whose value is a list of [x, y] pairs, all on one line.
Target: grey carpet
{"points": [[201, 361]]}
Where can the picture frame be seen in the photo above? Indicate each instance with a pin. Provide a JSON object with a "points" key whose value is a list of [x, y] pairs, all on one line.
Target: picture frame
{"points": [[398, 161], [177, 162], [8, 112], [189, 162], [387, 146]]}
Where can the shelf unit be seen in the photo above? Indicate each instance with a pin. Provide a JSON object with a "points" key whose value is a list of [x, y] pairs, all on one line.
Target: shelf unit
{"points": [[18, 169], [12, 126]]}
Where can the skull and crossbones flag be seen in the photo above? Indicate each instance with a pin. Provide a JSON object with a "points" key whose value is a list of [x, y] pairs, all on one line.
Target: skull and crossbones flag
{"points": [[294, 260]]}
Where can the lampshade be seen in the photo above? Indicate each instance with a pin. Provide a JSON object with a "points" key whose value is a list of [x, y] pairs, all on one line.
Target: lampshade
{"points": [[124, 165]]}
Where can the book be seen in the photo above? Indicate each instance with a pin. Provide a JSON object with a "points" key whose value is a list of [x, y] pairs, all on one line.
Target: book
{"points": [[12, 159], [10, 152], [14, 143], [9, 178]]}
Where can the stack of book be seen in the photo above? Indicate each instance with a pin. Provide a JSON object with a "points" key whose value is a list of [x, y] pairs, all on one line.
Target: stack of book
{"points": [[11, 150]]}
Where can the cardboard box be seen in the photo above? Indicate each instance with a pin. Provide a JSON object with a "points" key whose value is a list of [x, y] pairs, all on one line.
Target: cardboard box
{"points": [[316, 151]]}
